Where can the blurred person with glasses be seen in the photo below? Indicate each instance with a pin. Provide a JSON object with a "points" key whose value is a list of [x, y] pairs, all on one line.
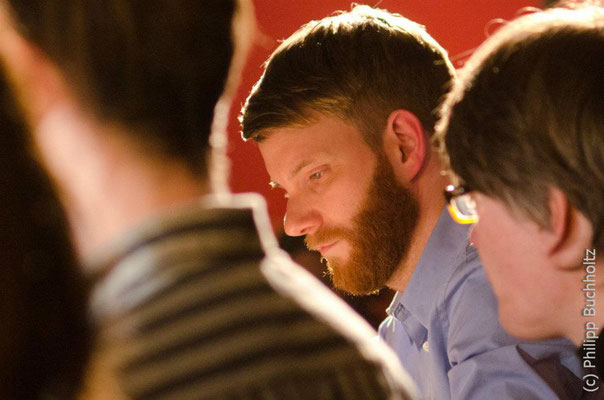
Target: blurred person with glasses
{"points": [[523, 133]]}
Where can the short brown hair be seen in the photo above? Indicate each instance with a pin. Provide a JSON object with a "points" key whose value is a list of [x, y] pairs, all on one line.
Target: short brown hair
{"points": [[527, 114], [359, 66], [155, 67]]}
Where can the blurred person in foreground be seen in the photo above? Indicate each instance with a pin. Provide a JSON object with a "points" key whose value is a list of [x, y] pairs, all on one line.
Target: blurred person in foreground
{"points": [[523, 132], [343, 117], [194, 298], [46, 337]]}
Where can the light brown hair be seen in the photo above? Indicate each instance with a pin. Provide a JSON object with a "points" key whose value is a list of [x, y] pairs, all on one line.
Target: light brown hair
{"points": [[359, 66]]}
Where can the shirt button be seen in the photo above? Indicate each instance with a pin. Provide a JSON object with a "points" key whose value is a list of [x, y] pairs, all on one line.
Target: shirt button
{"points": [[426, 346]]}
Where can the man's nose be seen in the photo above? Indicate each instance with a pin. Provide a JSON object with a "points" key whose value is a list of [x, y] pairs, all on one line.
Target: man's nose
{"points": [[300, 218]]}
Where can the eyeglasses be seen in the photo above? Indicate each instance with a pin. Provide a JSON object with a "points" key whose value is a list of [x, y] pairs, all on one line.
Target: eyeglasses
{"points": [[462, 206]]}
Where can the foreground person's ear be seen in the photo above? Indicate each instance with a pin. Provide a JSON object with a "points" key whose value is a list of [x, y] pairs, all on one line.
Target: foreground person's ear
{"points": [[569, 232]]}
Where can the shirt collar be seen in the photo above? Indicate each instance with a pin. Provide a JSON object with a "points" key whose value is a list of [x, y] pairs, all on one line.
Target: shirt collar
{"points": [[441, 256]]}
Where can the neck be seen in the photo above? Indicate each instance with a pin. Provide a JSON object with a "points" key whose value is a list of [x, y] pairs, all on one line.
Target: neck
{"points": [[428, 190], [106, 185]]}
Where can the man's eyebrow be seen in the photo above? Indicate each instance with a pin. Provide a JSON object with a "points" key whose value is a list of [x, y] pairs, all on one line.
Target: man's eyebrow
{"points": [[301, 165], [298, 168]]}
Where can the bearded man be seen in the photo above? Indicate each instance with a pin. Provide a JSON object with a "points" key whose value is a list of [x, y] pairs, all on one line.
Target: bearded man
{"points": [[343, 117]]}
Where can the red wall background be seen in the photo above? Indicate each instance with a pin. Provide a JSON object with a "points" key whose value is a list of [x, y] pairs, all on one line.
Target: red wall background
{"points": [[458, 25]]}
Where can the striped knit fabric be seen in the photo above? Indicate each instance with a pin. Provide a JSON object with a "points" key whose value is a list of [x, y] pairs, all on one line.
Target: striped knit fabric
{"points": [[199, 307]]}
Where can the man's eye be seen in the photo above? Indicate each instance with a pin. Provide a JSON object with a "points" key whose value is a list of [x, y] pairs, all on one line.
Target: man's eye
{"points": [[317, 175]]}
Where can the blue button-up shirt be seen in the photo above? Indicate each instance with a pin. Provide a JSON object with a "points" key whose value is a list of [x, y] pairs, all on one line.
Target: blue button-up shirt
{"points": [[444, 328]]}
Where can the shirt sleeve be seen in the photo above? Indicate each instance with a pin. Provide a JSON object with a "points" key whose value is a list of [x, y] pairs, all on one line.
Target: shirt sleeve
{"points": [[485, 362]]}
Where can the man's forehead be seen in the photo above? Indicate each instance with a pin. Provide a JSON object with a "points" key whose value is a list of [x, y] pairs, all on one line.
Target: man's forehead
{"points": [[291, 144], [321, 132], [288, 150]]}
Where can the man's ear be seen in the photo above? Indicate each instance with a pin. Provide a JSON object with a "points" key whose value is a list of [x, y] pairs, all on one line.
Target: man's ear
{"points": [[405, 144], [569, 232], [34, 77]]}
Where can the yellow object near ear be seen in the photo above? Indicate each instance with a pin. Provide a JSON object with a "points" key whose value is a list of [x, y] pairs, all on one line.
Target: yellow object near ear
{"points": [[459, 217]]}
